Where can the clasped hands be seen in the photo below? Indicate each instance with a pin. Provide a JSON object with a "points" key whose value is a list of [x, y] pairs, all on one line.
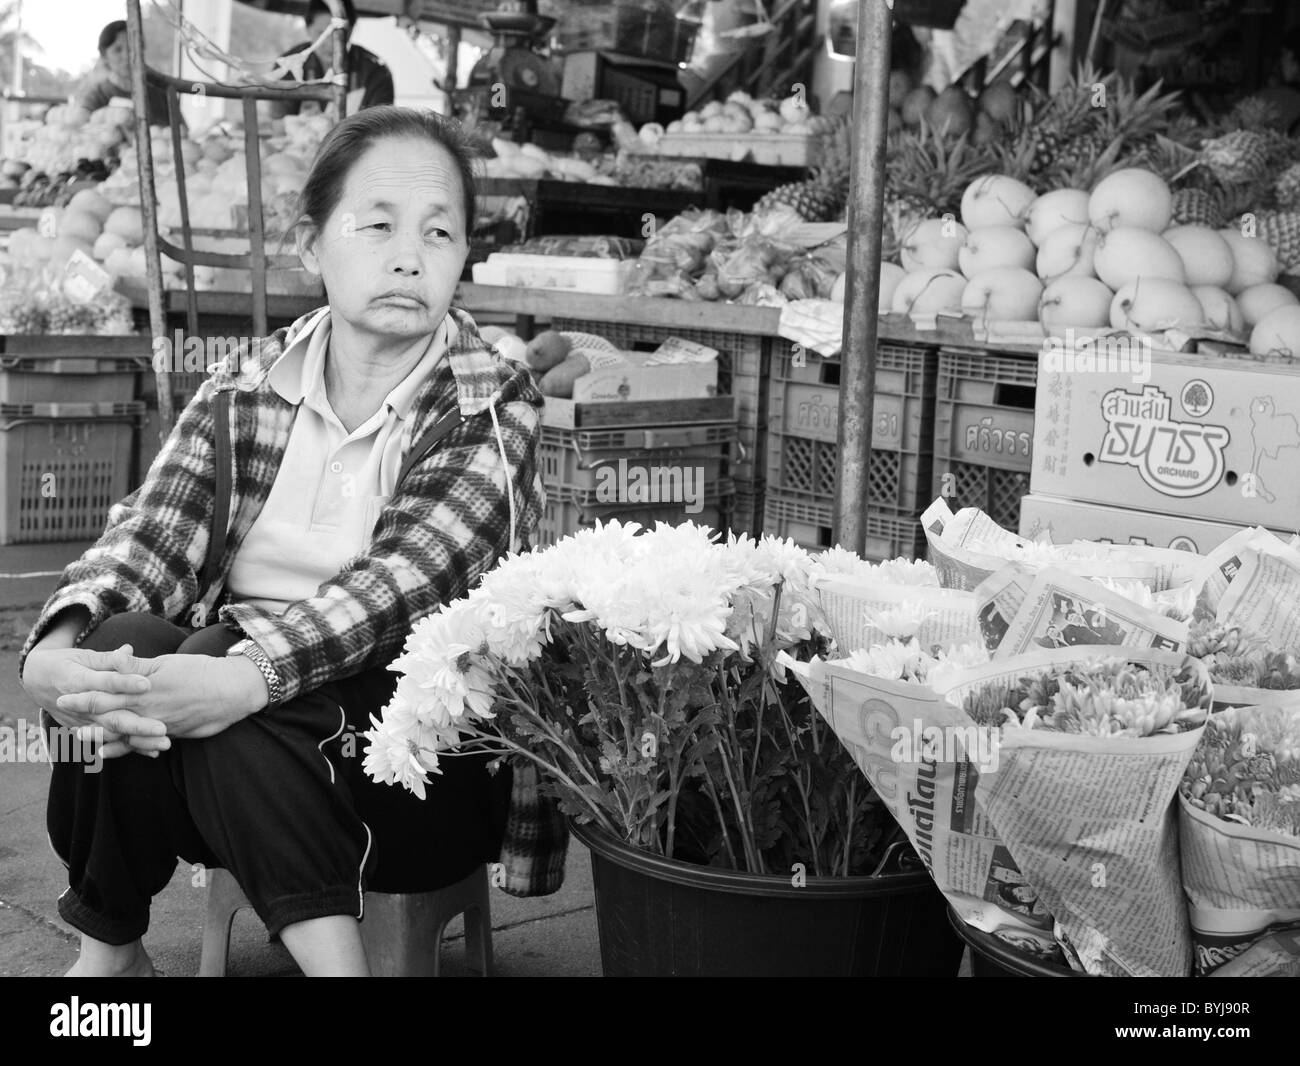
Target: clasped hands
{"points": [[141, 705]]}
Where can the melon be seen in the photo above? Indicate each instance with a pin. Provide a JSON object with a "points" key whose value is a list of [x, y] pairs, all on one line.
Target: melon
{"points": [[81, 225], [106, 244], [951, 112], [900, 84], [933, 242], [1206, 257], [1128, 252], [1149, 305], [1000, 102], [1259, 300], [1220, 309], [890, 275], [1278, 333], [929, 291], [995, 246], [1004, 294], [1131, 197], [1069, 249], [916, 104], [1254, 261], [1052, 210], [1075, 301], [126, 222], [996, 200], [91, 201]]}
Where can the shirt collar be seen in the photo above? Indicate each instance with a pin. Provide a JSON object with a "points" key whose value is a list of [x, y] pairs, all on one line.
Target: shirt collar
{"points": [[300, 369]]}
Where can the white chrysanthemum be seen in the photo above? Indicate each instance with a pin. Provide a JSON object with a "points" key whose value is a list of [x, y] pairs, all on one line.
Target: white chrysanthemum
{"points": [[783, 560], [951, 662], [892, 661], [393, 755], [901, 621], [514, 614], [1131, 589], [445, 672]]}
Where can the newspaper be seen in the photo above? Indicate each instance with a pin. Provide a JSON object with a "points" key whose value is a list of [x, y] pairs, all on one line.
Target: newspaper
{"points": [[969, 546], [1263, 596], [1020, 610], [1242, 882], [1091, 823], [929, 786], [862, 611], [1222, 564]]}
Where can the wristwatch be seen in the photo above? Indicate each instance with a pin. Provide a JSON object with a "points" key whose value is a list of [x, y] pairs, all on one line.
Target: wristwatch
{"points": [[254, 652]]}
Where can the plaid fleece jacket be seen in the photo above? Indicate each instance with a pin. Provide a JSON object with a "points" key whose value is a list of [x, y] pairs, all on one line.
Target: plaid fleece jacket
{"points": [[446, 524]]}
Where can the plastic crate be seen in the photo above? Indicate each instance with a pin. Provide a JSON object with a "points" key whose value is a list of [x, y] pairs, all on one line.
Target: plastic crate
{"points": [[626, 29], [575, 461], [994, 491], [746, 514], [564, 515], [801, 448], [807, 402], [48, 369], [984, 410], [748, 455], [739, 354], [811, 526], [64, 465]]}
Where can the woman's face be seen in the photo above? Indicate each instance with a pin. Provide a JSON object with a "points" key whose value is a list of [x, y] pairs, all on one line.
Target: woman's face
{"points": [[118, 61], [391, 252]]}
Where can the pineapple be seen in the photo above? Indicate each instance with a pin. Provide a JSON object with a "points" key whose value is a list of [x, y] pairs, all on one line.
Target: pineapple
{"points": [[822, 197], [1287, 188], [926, 175], [1237, 157], [1282, 231], [1197, 207]]}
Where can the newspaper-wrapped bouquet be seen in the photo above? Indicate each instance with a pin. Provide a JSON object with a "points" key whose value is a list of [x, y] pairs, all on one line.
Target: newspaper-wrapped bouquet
{"points": [[1239, 823]]}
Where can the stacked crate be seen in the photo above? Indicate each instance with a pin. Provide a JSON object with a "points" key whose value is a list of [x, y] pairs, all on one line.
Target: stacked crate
{"points": [[599, 474], [802, 456], [984, 431], [744, 361], [67, 431]]}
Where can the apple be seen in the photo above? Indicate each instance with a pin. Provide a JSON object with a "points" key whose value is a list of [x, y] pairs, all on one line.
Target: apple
{"points": [[1149, 305], [1068, 249], [1220, 309], [995, 246], [1206, 256], [1075, 301], [1055, 209], [1005, 294], [1128, 252], [933, 242], [1255, 262], [1259, 300], [1131, 197]]}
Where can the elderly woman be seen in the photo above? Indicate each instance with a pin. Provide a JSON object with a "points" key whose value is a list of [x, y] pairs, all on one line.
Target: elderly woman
{"points": [[237, 744]]}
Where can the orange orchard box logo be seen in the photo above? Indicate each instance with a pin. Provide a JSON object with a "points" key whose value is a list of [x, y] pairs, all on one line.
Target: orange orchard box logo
{"points": [[1174, 458]]}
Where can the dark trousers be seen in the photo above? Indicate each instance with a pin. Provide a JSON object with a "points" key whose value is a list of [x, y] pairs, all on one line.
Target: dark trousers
{"points": [[279, 799]]}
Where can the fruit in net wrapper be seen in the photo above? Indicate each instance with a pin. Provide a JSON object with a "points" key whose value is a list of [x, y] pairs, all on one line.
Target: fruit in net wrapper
{"points": [[65, 315], [112, 315]]}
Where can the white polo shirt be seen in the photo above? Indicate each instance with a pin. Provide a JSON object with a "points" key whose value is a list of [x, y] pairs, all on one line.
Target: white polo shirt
{"points": [[332, 484]]}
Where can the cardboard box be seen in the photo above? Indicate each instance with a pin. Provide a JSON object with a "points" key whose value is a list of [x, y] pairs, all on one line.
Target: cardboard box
{"points": [[639, 379], [1068, 520], [1170, 433]]}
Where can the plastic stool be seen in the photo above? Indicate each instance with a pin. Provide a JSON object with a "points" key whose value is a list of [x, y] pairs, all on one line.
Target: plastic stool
{"points": [[402, 933]]}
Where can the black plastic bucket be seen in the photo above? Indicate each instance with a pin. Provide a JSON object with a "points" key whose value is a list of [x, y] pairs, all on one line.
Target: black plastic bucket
{"points": [[658, 917], [991, 957]]}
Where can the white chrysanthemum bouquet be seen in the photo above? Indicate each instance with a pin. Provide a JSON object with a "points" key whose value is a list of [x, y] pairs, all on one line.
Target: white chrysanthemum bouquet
{"points": [[637, 670]]}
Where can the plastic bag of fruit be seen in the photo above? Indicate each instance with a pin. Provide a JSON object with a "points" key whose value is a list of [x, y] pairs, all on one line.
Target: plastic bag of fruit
{"points": [[810, 277]]}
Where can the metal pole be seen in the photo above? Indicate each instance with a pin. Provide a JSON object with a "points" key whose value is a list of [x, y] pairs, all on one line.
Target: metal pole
{"points": [[862, 288]]}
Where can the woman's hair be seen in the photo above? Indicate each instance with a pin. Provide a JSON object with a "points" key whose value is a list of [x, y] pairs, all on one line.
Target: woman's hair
{"points": [[110, 33], [355, 135]]}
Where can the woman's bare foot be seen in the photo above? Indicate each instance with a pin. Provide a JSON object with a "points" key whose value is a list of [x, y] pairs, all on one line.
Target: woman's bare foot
{"points": [[98, 959]]}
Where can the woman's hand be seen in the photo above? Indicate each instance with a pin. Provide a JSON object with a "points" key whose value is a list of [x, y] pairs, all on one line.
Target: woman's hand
{"points": [[191, 696], [51, 674]]}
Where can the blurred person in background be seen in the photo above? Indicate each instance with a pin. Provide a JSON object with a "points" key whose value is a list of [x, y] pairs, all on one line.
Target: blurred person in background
{"points": [[111, 76], [370, 82]]}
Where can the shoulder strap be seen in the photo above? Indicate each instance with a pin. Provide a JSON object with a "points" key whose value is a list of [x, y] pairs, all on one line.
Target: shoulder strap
{"points": [[428, 441], [223, 490]]}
